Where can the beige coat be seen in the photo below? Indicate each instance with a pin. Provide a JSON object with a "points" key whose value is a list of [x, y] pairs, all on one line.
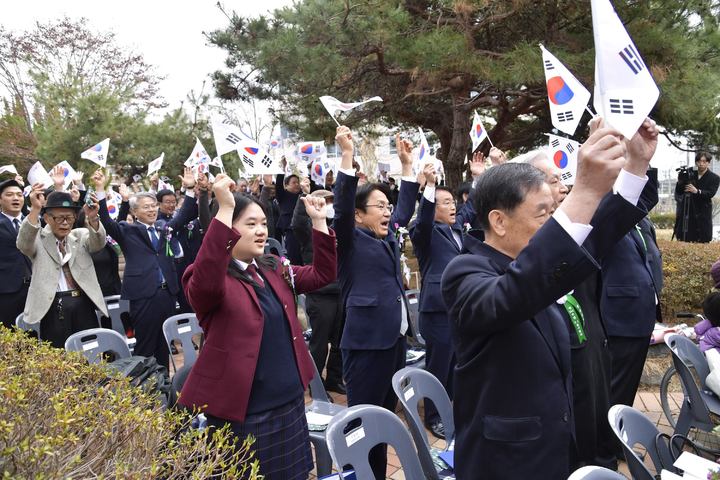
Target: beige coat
{"points": [[42, 250]]}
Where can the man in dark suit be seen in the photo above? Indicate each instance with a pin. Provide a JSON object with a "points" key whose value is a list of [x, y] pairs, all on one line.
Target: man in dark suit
{"points": [[150, 279], [437, 237], [513, 407], [373, 340], [15, 267], [287, 192]]}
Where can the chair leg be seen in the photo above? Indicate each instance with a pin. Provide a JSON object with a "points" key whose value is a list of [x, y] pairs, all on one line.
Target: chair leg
{"points": [[323, 461]]}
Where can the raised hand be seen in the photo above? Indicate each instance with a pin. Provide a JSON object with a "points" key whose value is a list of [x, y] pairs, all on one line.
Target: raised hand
{"points": [[477, 164], [91, 208], [37, 197], [223, 189], [315, 207], [641, 148], [99, 179], [343, 137], [19, 179], [58, 176], [75, 194], [203, 182], [305, 185], [188, 179], [404, 150], [497, 156], [429, 173], [254, 186], [125, 192], [78, 177]]}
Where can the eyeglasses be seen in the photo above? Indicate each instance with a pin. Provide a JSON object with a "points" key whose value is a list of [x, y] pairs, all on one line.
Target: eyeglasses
{"points": [[148, 208], [169, 203], [60, 219], [383, 206], [448, 203]]}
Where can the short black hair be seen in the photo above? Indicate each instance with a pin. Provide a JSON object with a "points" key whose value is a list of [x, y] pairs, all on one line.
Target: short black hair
{"points": [[290, 177], [463, 189], [363, 194], [442, 188], [164, 193], [700, 155], [504, 187], [711, 308], [8, 184]]}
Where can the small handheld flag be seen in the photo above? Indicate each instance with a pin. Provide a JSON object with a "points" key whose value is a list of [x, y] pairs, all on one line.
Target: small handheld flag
{"points": [[563, 152], [319, 169], [8, 169], [333, 105], [625, 91], [98, 154], [567, 97], [309, 151], [478, 132], [37, 174], [156, 164], [227, 136]]}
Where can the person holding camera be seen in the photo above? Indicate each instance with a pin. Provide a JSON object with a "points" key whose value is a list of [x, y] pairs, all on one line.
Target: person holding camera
{"points": [[694, 192]]}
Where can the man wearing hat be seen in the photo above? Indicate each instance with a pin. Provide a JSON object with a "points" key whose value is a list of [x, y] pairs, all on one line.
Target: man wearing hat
{"points": [[15, 268], [64, 290], [324, 306]]}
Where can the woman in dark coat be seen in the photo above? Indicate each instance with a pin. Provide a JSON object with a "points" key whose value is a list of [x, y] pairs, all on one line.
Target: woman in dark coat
{"points": [[254, 366]]}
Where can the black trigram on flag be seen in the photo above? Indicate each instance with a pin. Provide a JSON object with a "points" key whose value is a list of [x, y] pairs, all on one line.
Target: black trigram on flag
{"points": [[566, 176], [248, 160], [232, 138], [549, 65], [565, 116], [555, 143], [632, 59], [569, 147], [621, 106], [266, 161]]}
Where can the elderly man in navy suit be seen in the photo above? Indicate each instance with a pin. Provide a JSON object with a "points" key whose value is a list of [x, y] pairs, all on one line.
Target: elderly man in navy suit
{"points": [[150, 280], [15, 267], [437, 237], [513, 410], [373, 340]]}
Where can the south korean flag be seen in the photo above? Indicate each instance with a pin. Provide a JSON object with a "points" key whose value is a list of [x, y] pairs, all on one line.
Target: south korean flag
{"points": [[564, 152], [625, 91]]}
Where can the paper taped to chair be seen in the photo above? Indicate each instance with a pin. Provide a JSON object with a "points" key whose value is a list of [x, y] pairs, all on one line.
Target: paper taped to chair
{"points": [[314, 418], [694, 466]]}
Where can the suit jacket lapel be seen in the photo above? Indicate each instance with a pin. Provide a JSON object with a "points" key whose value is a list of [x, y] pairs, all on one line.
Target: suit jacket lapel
{"points": [[447, 232], [49, 242], [8, 225], [143, 231]]}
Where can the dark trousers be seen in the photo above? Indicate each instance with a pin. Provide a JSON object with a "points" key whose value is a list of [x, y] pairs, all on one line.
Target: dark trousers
{"points": [[185, 307], [67, 315], [12, 305], [368, 380], [147, 316], [292, 247], [628, 359], [325, 314], [439, 357]]}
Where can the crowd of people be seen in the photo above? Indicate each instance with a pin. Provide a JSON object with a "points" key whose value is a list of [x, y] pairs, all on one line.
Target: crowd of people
{"points": [[536, 303]]}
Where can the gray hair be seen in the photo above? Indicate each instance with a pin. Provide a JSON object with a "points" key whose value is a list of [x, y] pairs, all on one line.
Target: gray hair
{"points": [[134, 199], [532, 157]]}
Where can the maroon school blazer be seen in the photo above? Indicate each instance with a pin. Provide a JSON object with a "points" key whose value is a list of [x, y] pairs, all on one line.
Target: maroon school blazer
{"points": [[229, 313]]}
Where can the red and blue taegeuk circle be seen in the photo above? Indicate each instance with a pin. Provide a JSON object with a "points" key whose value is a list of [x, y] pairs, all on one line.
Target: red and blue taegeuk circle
{"points": [[559, 91], [561, 159]]}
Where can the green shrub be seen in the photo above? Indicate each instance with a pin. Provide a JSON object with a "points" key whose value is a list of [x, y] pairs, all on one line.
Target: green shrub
{"points": [[663, 220], [63, 418], [686, 271]]}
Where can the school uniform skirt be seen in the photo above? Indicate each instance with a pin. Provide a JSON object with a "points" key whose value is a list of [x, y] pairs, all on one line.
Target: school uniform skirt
{"points": [[282, 440]]}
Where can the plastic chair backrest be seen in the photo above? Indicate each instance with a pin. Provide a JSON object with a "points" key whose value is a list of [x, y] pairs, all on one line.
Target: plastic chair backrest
{"points": [[116, 308], [376, 426], [413, 303], [182, 328], [632, 427], [412, 385], [93, 343], [21, 324], [317, 388], [686, 355], [592, 472], [274, 247]]}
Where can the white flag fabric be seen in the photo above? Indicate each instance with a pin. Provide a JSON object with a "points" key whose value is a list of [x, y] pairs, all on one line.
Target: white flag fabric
{"points": [[8, 169], [98, 154], [217, 162], [37, 174], [333, 105], [309, 151], [156, 164], [198, 156], [320, 168], [227, 136], [163, 185], [478, 132], [567, 97], [68, 172], [114, 199], [625, 91], [423, 154], [564, 154], [255, 159]]}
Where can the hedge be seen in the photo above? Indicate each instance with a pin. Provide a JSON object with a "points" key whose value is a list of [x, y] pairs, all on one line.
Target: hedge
{"points": [[63, 418], [686, 272], [663, 220]]}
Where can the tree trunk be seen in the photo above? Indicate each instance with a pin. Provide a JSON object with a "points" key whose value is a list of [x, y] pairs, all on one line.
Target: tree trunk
{"points": [[455, 159]]}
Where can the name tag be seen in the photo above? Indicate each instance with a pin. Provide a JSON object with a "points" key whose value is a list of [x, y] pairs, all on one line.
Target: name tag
{"points": [[355, 436], [184, 329], [90, 346]]}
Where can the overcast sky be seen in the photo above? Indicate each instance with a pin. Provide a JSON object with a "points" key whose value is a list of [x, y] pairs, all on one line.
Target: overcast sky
{"points": [[169, 34]]}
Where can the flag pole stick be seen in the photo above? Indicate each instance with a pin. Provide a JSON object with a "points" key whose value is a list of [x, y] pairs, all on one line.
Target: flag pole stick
{"points": [[593, 114], [491, 144], [333, 117]]}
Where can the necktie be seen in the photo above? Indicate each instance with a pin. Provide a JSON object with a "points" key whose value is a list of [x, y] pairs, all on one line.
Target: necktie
{"points": [[154, 238], [16, 222], [66, 268], [252, 271]]}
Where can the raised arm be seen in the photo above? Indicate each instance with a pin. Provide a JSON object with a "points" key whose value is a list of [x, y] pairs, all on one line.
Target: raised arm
{"points": [[324, 267], [31, 225], [111, 226], [407, 195], [96, 238], [189, 210], [204, 280], [345, 189], [421, 232], [203, 202]]}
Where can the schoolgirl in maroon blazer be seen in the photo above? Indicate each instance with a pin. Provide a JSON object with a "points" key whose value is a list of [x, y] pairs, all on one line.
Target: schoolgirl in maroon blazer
{"points": [[254, 366]]}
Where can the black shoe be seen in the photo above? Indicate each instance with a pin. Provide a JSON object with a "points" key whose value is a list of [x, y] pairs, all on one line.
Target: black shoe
{"points": [[438, 429], [336, 387]]}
